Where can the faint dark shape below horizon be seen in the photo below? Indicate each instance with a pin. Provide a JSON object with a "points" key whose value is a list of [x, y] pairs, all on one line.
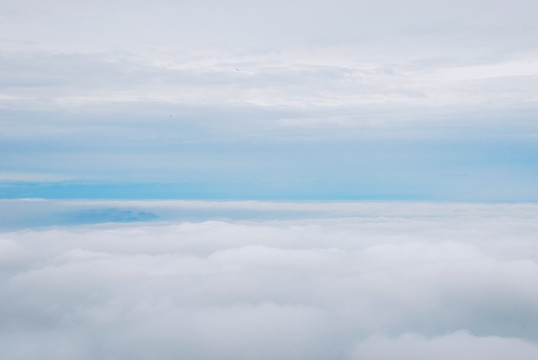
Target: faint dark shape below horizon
{"points": [[95, 216]]}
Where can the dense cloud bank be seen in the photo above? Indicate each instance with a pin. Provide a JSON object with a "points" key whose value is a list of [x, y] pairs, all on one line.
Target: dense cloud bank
{"points": [[386, 286]]}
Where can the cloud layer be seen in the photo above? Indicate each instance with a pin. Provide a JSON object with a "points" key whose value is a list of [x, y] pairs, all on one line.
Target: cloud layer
{"points": [[439, 282], [339, 56], [387, 99]]}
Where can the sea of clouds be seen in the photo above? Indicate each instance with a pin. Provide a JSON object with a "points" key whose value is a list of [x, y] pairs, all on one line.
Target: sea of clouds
{"points": [[319, 281]]}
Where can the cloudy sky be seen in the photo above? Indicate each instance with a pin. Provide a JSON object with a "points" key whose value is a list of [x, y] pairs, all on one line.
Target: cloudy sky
{"points": [[397, 100], [378, 160]]}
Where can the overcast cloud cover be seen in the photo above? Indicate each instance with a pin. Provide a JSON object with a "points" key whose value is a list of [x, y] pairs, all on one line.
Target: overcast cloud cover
{"points": [[273, 99], [375, 281]]}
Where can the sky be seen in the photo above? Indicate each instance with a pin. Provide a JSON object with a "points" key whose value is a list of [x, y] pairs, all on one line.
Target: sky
{"points": [[258, 180], [294, 100]]}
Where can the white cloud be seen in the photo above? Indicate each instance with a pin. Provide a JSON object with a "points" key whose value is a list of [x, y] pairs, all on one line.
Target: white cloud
{"points": [[400, 281], [74, 55], [284, 81]]}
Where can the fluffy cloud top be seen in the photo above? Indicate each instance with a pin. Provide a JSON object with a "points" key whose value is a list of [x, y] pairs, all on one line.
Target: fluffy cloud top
{"points": [[457, 283]]}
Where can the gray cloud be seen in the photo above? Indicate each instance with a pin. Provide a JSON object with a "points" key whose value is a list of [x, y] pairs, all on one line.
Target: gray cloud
{"points": [[348, 53], [459, 345], [189, 25], [400, 280]]}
